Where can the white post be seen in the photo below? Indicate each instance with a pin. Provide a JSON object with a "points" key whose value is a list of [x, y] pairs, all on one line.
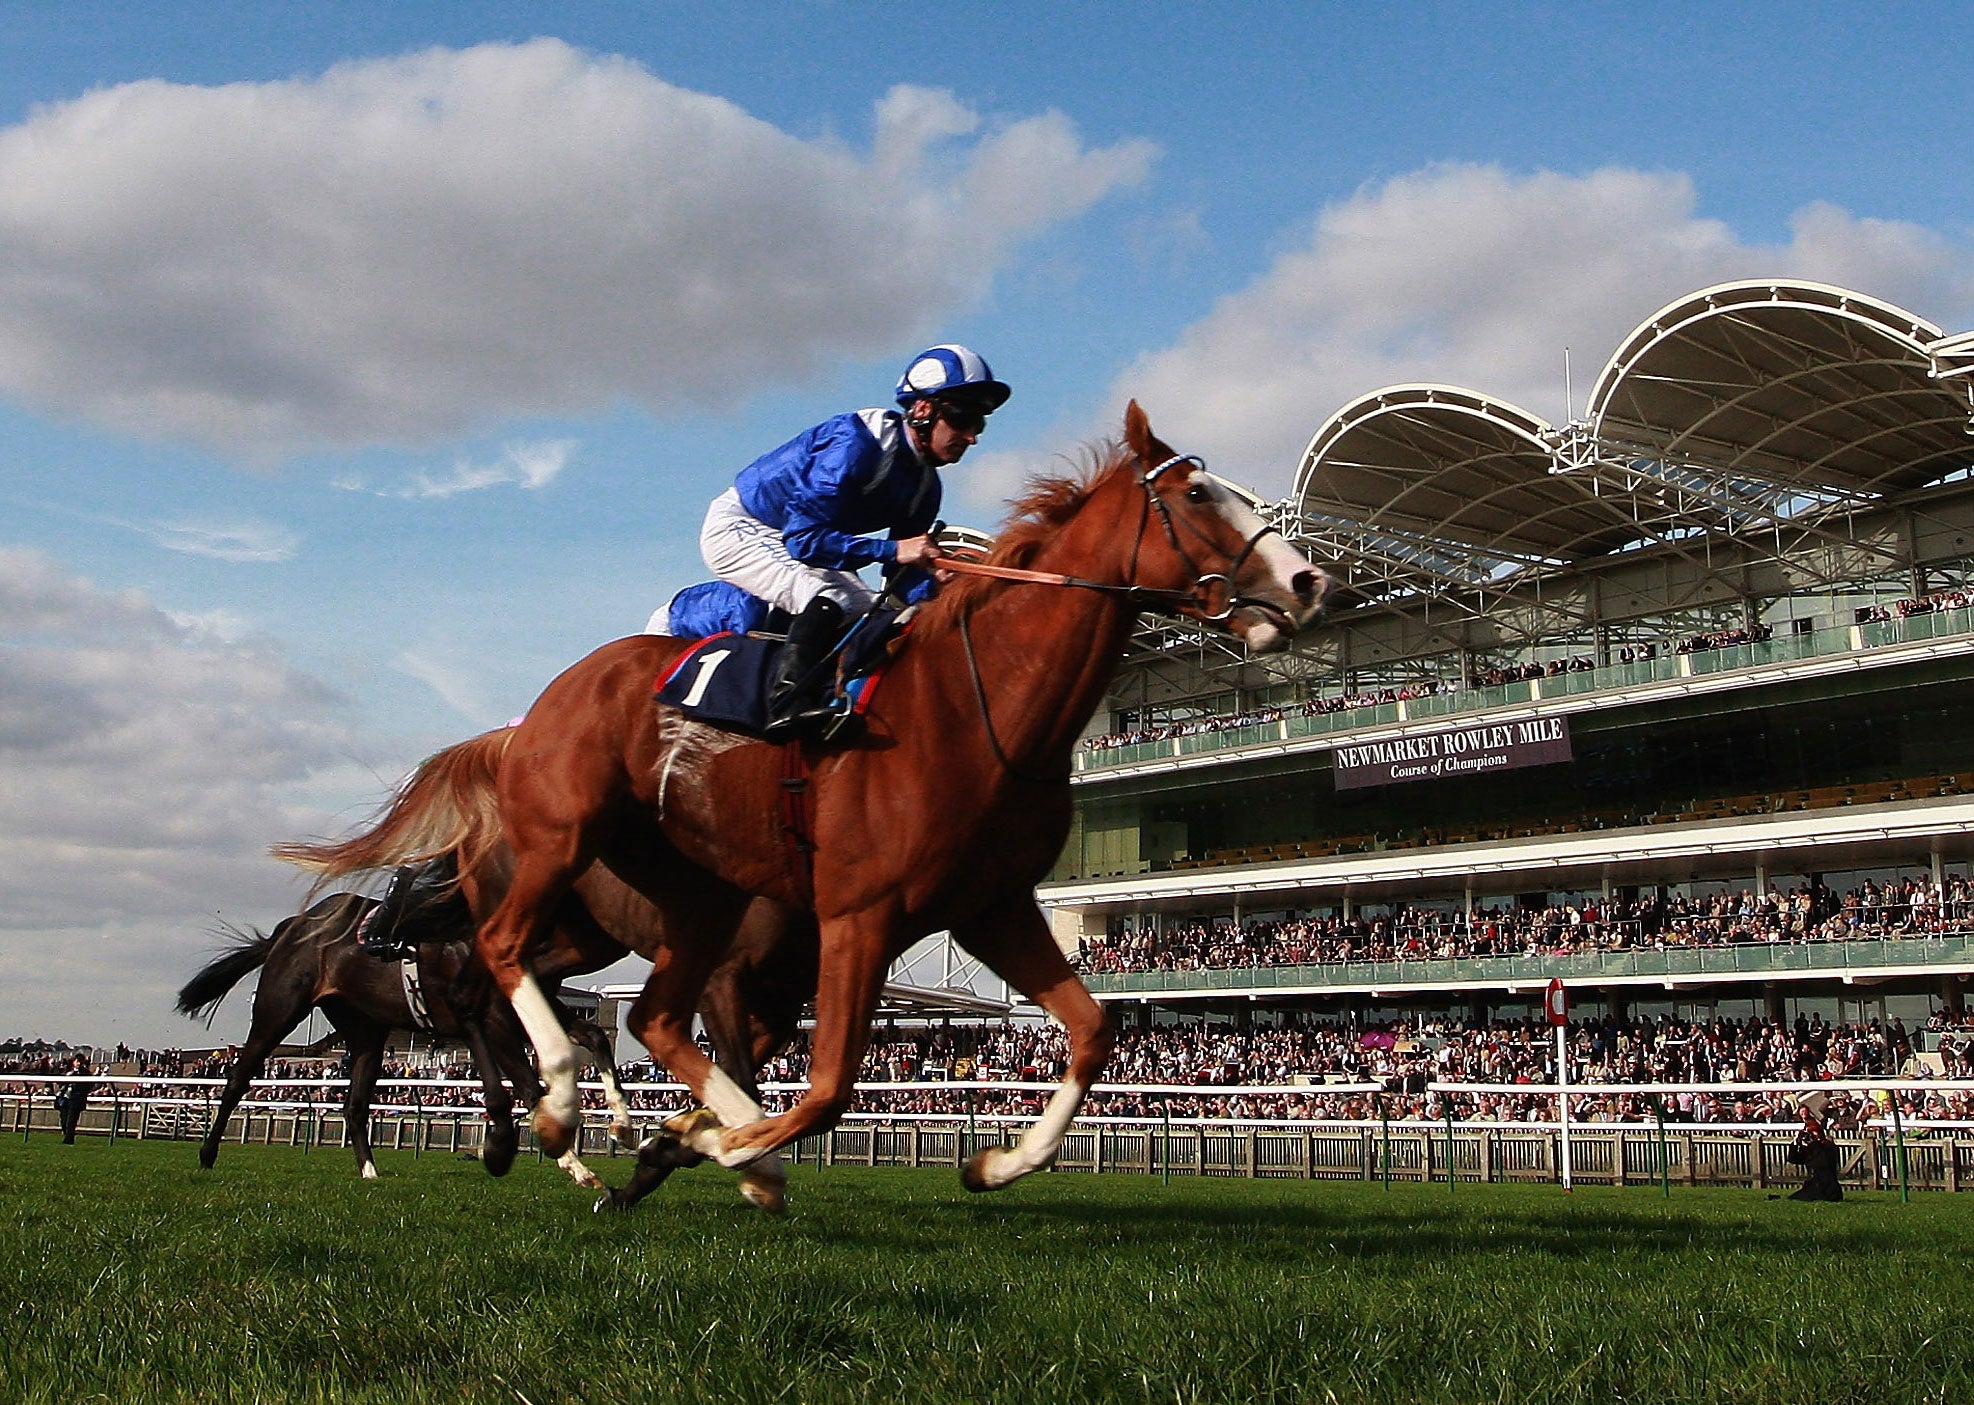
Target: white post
{"points": [[1563, 1096]]}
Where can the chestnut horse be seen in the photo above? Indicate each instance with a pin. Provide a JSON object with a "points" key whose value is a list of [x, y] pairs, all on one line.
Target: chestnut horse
{"points": [[947, 813]]}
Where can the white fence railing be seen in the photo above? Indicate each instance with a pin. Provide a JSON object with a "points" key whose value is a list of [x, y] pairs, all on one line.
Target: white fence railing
{"points": [[1885, 1150]]}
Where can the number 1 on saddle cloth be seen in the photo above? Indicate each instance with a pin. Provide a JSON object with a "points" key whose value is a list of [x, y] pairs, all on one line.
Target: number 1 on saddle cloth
{"points": [[725, 678]]}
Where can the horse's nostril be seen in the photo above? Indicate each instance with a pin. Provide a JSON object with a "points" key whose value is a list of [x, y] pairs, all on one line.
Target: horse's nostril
{"points": [[1305, 586]]}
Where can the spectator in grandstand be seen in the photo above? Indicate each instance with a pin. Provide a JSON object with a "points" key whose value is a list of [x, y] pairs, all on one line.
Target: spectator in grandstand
{"points": [[1728, 917]]}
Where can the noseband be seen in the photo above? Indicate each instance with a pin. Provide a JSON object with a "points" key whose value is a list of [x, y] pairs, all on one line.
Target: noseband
{"points": [[1191, 603]]}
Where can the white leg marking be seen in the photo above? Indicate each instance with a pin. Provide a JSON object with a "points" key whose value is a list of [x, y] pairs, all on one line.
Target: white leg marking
{"points": [[735, 1109], [579, 1173], [732, 1106], [1040, 1143], [621, 1130], [553, 1051], [369, 1171]]}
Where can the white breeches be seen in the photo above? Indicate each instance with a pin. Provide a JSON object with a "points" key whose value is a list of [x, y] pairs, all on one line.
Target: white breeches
{"points": [[750, 554]]}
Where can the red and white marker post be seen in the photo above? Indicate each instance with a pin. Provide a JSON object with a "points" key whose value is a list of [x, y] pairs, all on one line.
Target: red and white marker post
{"points": [[1556, 1004]]}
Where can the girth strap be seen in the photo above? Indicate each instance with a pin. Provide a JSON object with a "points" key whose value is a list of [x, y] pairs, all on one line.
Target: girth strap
{"points": [[412, 980], [795, 820]]}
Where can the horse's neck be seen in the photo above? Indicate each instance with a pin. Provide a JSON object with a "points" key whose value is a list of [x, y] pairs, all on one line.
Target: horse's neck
{"points": [[1046, 655]]}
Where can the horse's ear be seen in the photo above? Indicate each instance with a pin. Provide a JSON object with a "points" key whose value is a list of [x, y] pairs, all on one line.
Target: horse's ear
{"points": [[1137, 433]]}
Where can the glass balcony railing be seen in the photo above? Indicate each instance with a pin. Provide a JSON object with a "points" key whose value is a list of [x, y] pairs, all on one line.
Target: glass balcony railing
{"points": [[1688, 962], [1942, 624]]}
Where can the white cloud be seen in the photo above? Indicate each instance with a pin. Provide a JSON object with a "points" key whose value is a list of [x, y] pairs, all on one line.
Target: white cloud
{"points": [[238, 541], [458, 688], [1481, 278], [521, 464], [147, 764], [400, 250]]}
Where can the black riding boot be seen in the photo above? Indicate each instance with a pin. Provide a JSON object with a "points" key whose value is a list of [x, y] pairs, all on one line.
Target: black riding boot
{"points": [[412, 911], [797, 696]]}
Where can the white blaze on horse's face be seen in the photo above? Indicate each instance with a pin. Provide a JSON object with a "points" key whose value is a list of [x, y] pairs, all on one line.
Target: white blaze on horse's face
{"points": [[1280, 589]]}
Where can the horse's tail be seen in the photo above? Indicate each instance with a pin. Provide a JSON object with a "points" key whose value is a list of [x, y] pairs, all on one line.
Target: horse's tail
{"points": [[446, 807], [202, 994]]}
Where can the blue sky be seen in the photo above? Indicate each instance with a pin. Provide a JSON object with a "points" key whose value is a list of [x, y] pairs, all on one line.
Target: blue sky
{"points": [[363, 365]]}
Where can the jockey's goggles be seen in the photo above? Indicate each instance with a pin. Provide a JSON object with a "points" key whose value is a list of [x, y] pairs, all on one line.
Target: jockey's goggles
{"points": [[967, 419]]}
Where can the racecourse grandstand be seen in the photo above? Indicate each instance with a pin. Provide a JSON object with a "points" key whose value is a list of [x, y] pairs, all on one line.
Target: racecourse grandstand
{"points": [[1670, 701]]}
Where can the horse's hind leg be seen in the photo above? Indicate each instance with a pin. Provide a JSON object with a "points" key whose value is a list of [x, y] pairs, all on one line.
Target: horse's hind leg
{"points": [[752, 1007], [661, 1018], [281, 1001], [1017, 947], [542, 874], [854, 951]]}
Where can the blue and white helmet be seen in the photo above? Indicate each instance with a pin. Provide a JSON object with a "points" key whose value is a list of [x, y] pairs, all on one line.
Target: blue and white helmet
{"points": [[951, 372]]}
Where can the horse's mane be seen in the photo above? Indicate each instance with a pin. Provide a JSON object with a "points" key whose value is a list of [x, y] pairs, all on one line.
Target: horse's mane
{"points": [[1045, 504]]}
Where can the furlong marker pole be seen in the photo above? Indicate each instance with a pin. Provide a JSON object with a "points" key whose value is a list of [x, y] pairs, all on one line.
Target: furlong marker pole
{"points": [[1563, 1099]]}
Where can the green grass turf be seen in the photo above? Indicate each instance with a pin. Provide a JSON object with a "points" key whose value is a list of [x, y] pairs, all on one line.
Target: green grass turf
{"points": [[129, 1275]]}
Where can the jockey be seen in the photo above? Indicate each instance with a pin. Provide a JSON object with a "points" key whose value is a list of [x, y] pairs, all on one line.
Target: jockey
{"points": [[792, 531]]}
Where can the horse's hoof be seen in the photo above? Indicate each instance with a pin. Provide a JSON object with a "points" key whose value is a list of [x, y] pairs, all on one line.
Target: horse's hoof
{"points": [[765, 1187], [498, 1153], [624, 1135], [556, 1138], [733, 1158], [687, 1125], [768, 1199], [697, 1130], [975, 1175], [369, 1171], [605, 1201]]}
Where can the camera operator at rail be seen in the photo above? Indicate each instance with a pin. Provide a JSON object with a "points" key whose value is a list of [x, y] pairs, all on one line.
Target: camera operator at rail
{"points": [[1815, 1153]]}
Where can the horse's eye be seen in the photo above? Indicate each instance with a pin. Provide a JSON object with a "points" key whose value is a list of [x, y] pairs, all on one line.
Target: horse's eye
{"points": [[1199, 492]]}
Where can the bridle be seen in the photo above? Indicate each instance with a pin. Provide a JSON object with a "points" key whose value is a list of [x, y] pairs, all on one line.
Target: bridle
{"points": [[1172, 525], [1188, 603]]}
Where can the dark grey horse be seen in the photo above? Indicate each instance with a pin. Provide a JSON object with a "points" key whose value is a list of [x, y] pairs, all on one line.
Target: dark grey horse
{"points": [[314, 960]]}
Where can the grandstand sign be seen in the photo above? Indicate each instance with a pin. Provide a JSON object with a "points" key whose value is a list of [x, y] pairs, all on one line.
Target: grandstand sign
{"points": [[1457, 751]]}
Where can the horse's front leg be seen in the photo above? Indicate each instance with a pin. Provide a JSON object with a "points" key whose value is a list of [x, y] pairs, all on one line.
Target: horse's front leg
{"points": [[590, 1039], [854, 953], [497, 1151], [661, 1018], [1017, 947]]}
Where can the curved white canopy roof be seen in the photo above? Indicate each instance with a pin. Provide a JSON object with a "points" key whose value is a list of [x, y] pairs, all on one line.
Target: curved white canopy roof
{"points": [[1740, 405]]}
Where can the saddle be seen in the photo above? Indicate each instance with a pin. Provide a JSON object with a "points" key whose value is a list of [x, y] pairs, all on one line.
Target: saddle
{"points": [[723, 679]]}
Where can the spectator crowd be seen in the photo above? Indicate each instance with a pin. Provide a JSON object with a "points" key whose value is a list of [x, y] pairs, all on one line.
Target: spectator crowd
{"points": [[1312, 1052], [1207, 1064], [1494, 676], [1919, 605], [1903, 907]]}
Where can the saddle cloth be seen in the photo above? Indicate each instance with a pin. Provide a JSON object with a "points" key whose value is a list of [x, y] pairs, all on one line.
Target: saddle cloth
{"points": [[723, 679]]}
